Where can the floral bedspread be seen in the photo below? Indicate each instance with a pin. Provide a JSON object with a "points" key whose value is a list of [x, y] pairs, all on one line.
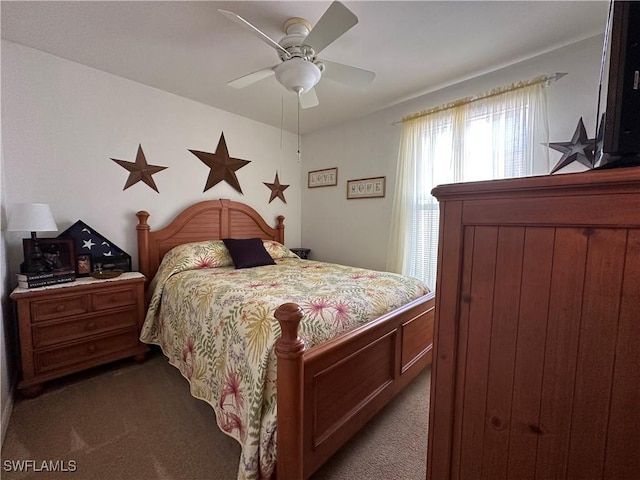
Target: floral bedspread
{"points": [[216, 325]]}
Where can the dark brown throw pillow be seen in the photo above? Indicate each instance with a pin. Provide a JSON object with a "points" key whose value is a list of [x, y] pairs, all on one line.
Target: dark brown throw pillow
{"points": [[248, 252]]}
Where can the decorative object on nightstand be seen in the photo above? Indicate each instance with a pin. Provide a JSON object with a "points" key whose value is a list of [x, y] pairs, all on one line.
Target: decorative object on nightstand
{"points": [[32, 217], [58, 258], [67, 328], [301, 252], [97, 248], [104, 274]]}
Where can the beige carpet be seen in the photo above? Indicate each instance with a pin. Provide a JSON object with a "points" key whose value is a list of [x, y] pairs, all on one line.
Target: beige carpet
{"points": [[139, 422]]}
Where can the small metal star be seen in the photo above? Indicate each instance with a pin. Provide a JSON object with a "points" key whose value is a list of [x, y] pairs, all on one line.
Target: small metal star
{"points": [[140, 170], [277, 189], [580, 149], [223, 167]]}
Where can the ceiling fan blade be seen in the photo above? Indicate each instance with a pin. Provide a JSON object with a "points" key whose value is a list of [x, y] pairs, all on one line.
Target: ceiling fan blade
{"points": [[351, 76], [333, 23], [258, 33], [309, 99], [250, 78]]}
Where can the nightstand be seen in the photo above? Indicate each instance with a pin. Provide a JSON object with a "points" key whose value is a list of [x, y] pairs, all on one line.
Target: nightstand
{"points": [[73, 326], [301, 252]]}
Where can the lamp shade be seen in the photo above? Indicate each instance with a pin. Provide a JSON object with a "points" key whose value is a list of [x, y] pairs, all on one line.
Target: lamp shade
{"points": [[31, 217], [297, 75]]}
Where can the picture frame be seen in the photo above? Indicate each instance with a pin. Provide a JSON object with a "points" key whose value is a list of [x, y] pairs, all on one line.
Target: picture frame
{"points": [[83, 265], [327, 177], [58, 253], [374, 187]]}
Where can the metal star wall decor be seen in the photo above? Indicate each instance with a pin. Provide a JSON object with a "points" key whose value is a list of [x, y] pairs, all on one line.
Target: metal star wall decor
{"points": [[223, 167], [277, 189], [580, 149], [140, 170]]}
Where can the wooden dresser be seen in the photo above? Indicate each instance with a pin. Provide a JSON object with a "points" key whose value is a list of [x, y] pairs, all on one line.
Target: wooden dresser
{"points": [[536, 364], [73, 326]]}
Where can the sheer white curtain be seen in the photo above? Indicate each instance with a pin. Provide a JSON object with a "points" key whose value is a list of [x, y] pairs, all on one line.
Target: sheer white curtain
{"points": [[496, 135]]}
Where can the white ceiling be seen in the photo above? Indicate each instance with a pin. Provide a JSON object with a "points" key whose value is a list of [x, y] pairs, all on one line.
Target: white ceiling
{"points": [[189, 49]]}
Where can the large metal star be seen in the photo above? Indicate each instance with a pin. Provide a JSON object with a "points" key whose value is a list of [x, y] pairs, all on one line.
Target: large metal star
{"points": [[277, 189], [140, 170], [223, 167], [580, 148]]}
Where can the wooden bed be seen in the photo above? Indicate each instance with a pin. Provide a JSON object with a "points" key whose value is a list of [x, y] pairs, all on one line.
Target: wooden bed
{"points": [[325, 393]]}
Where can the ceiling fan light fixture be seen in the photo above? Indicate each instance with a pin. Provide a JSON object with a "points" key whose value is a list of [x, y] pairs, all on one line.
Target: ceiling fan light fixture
{"points": [[298, 75]]}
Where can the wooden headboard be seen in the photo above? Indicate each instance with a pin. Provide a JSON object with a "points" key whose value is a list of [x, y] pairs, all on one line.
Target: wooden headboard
{"points": [[208, 220]]}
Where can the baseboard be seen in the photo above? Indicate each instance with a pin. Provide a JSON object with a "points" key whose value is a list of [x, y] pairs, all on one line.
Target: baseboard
{"points": [[6, 413]]}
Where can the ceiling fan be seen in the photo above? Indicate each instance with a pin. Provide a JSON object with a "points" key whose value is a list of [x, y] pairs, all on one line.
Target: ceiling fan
{"points": [[300, 69]]}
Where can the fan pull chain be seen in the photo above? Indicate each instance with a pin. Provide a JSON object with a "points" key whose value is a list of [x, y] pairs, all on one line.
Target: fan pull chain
{"points": [[281, 119], [298, 132]]}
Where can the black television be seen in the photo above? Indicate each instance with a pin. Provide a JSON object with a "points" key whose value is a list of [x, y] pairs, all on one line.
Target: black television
{"points": [[621, 131]]}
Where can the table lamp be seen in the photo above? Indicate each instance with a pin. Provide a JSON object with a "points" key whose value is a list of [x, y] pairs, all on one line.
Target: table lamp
{"points": [[32, 217]]}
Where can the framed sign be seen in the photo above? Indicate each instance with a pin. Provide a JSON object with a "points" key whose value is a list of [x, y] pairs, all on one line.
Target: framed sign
{"points": [[323, 178], [366, 188]]}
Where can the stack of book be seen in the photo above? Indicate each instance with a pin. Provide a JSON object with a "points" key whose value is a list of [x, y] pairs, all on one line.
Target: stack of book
{"points": [[35, 280]]}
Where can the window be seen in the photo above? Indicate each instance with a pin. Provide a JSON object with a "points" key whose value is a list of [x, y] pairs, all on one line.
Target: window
{"points": [[479, 139]]}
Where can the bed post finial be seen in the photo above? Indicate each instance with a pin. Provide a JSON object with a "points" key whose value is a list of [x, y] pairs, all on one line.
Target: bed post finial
{"points": [[143, 243], [289, 350], [280, 229], [289, 316]]}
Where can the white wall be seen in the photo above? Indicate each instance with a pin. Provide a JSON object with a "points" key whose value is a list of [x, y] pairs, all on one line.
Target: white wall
{"points": [[61, 124], [356, 232], [7, 330]]}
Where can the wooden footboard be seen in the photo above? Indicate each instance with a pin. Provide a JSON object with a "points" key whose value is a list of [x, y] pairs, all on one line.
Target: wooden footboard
{"points": [[327, 393]]}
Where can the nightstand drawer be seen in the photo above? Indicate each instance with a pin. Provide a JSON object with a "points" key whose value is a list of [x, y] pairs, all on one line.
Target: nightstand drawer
{"points": [[59, 332], [113, 299], [63, 357], [59, 307]]}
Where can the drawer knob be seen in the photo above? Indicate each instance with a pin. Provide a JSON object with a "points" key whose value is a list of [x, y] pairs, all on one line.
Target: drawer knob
{"points": [[91, 325], [92, 348], [60, 308]]}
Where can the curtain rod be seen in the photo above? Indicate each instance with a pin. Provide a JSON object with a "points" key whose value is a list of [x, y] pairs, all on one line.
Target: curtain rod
{"points": [[547, 79]]}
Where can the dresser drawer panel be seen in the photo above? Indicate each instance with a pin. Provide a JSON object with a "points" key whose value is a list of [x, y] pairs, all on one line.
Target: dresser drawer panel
{"points": [[113, 298], [59, 307], [63, 357], [45, 334]]}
